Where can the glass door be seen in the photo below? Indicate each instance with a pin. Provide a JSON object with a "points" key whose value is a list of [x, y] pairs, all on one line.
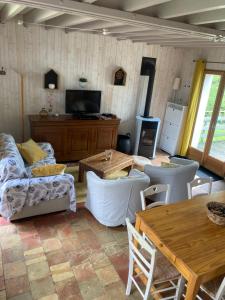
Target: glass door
{"points": [[208, 137]]}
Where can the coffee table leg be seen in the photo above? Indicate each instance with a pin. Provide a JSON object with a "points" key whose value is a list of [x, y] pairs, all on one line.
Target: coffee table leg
{"points": [[81, 174]]}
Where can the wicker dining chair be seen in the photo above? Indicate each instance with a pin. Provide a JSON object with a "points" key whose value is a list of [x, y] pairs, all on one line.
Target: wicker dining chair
{"points": [[151, 268], [154, 190], [197, 183]]}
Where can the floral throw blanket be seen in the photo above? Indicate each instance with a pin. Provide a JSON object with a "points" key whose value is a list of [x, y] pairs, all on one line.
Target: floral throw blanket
{"points": [[18, 188]]}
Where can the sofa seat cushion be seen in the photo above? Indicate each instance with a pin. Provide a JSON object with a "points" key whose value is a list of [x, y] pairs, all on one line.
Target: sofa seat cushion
{"points": [[31, 152], [49, 170]]}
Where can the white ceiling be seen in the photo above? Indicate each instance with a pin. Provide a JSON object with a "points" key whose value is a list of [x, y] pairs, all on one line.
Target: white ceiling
{"points": [[177, 23]]}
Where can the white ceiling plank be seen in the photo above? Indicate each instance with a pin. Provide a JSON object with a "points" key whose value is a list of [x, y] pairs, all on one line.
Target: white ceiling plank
{"points": [[177, 8], [174, 40], [108, 14], [140, 33], [134, 5], [208, 17], [40, 15], [220, 26], [162, 37], [10, 10], [191, 45], [67, 20]]}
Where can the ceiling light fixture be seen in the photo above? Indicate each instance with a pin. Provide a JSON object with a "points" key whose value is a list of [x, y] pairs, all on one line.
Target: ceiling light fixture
{"points": [[105, 31], [20, 22]]}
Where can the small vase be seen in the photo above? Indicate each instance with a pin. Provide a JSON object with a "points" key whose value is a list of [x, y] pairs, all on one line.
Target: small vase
{"points": [[43, 113], [82, 84]]}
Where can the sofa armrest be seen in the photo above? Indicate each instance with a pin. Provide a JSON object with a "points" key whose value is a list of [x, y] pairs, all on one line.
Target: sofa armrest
{"points": [[47, 147]]}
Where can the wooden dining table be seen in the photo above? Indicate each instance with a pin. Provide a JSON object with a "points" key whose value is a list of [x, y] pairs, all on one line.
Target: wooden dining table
{"points": [[188, 239]]}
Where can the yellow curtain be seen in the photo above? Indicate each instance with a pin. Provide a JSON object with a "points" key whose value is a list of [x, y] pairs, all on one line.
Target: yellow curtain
{"points": [[193, 104]]}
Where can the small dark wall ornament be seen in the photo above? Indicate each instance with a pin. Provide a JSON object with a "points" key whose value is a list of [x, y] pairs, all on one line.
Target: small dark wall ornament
{"points": [[51, 78], [119, 77]]}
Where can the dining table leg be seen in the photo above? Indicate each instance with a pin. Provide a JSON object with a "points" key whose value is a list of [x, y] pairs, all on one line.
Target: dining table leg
{"points": [[193, 286]]}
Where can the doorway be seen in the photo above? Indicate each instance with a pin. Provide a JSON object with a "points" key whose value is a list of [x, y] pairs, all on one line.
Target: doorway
{"points": [[208, 137]]}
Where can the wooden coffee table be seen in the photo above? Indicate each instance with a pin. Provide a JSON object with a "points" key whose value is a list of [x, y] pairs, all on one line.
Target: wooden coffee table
{"points": [[102, 167]]}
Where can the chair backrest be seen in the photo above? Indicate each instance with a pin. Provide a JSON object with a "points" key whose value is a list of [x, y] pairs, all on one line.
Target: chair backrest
{"points": [[138, 246], [177, 178], [153, 190], [199, 182]]}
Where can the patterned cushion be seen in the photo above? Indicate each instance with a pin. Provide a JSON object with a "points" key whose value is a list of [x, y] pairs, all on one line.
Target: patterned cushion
{"points": [[11, 162]]}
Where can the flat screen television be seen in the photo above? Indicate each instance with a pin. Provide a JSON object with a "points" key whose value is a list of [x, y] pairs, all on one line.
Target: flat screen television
{"points": [[83, 102]]}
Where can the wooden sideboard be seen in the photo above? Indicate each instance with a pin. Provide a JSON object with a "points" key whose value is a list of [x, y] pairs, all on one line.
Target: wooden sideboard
{"points": [[74, 139]]}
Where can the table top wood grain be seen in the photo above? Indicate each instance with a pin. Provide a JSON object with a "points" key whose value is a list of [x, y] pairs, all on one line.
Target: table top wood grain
{"points": [[185, 235], [98, 163]]}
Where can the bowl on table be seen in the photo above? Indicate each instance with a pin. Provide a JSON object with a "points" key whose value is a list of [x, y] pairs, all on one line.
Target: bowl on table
{"points": [[216, 212]]}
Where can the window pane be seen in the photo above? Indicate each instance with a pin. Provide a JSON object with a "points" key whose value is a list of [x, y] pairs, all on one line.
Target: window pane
{"points": [[205, 111], [218, 144]]}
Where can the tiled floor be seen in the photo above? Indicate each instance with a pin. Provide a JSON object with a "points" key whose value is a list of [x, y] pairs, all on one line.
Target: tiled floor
{"points": [[63, 256]]}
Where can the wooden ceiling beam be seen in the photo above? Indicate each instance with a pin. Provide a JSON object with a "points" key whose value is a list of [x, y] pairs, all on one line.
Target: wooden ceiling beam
{"points": [[97, 24], [40, 15], [178, 8], [108, 14], [10, 10], [68, 20], [214, 16]]}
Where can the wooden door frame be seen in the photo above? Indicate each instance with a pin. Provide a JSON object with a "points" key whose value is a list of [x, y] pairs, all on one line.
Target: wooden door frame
{"points": [[203, 157]]}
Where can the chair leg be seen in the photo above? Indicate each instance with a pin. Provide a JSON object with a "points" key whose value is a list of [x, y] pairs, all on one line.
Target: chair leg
{"points": [[130, 274], [180, 288], [147, 290]]}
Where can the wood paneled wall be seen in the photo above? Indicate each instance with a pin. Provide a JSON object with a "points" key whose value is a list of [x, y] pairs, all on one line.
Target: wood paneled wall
{"points": [[34, 50]]}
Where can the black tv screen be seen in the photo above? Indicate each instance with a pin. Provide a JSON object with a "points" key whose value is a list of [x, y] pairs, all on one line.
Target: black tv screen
{"points": [[83, 102]]}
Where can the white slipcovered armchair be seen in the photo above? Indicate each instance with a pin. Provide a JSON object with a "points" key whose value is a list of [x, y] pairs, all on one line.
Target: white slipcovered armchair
{"points": [[112, 201], [177, 178]]}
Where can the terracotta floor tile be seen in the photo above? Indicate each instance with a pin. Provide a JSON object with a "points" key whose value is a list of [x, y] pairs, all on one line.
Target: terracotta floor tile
{"points": [[65, 231], [67, 290], [99, 260], [91, 289], [120, 260], [2, 283], [14, 269], [12, 255], [77, 257], [46, 232], [42, 287], [38, 270], [17, 286], [84, 271], [107, 275], [56, 257], [31, 242], [3, 295], [26, 296], [51, 245], [1, 268], [116, 291], [61, 272], [11, 241], [7, 230], [105, 236], [71, 245], [50, 297]]}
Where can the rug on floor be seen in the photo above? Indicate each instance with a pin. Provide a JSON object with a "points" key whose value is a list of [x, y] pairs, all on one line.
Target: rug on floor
{"points": [[81, 187]]}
